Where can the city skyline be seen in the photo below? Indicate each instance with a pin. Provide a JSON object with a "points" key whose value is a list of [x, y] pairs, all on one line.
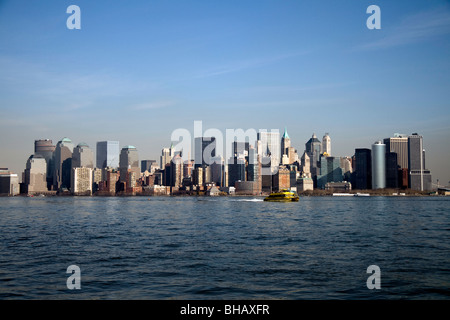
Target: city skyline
{"points": [[136, 72]]}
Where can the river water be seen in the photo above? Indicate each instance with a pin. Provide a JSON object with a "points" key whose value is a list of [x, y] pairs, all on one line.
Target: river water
{"points": [[224, 247]]}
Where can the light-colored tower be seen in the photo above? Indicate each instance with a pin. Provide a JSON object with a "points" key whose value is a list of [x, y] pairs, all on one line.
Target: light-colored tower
{"points": [[108, 154], [378, 165], [82, 156], [270, 147], [326, 144], [35, 174], [129, 159], [62, 159]]}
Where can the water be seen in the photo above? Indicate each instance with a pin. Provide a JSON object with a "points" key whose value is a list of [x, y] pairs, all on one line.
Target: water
{"points": [[224, 248]]}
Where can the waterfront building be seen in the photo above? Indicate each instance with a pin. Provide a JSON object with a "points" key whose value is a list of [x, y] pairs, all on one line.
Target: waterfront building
{"points": [[108, 154], [346, 166], [281, 179], [82, 181], [330, 171], [217, 171], [392, 170], [35, 175], [378, 165], [9, 183], [419, 176], [305, 184], [62, 159], [205, 150], [45, 148], [363, 169], [236, 170], [398, 144], [129, 159]]}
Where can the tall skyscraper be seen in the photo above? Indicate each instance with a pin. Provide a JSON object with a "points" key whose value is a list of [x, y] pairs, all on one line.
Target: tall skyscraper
{"points": [[363, 169], [313, 148], [82, 156], [326, 144], [269, 147], [392, 170], [35, 174], [205, 150], [82, 181], [108, 154], [330, 171], [45, 149], [419, 176], [62, 159], [285, 143], [378, 165], [399, 145], [129, 159], [166, 156]]}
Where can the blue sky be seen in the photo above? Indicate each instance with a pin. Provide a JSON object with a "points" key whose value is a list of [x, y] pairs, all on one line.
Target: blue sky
{"points": [[137, 70]]}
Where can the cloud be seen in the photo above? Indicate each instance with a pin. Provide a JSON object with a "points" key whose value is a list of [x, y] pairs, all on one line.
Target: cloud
{"points": [[414, 28], [237, 66]]}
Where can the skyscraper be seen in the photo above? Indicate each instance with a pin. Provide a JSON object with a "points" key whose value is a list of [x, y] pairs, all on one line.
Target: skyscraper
{"points": [[399, 145], [419, 176], [62, 159], [108, 154], [269, 147], [205, 150], [45, 149], [35, 174], [330, 171], [82, 156], [326, 144], [129, 159], [378, 165], [285, 143], [166, 156], [363, 169]]}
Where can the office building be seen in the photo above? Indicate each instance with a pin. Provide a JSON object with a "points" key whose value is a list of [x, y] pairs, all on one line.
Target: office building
{"points": [[392, 170], [108, 154], [35, 175], [326, 144], [378, 165], [45, 148], [129, 159], [62, 159], [82, 156], [363, 169], [205, 150], [149, 166], [399, 145], [419, 176], [82, 181], [269, 148], [166, 156], [330, 171], [9, 183]]}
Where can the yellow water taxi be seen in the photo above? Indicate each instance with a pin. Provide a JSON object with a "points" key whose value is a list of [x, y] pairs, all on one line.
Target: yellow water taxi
{"points": [[282, 196]]}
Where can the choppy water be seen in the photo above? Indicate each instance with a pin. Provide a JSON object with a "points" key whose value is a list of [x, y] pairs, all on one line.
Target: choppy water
{"points": [[224, 248]]}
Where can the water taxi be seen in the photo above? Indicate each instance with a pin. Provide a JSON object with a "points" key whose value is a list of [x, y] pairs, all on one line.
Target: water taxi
{"points": [[282, 196]]}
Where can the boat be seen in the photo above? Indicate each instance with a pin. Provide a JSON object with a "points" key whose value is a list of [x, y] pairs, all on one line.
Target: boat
{"points": [[282, 196]]}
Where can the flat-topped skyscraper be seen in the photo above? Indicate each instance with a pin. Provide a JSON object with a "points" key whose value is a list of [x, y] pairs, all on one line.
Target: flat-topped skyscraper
{"points": [[108, 154]]}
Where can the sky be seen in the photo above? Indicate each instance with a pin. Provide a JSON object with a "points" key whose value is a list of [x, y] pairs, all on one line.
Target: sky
{"points": [[138, 70]]}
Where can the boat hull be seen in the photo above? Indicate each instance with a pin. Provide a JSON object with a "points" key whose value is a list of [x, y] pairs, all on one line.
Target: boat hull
{"points": [[282, 197]]}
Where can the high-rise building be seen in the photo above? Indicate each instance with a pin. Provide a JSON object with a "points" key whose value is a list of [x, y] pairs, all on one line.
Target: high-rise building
{"points": [[82, 156], [9, 183], [205, 150], [419, 176], [62, 159], [330, 171], [285, 143], [399, 145], [108, 154], [129, 159], [176, 171], [305, 166], [45, 148], [81, 181], [313, 149], [217, 171], [35, 175], [392, 170], [269, 147], [148, 165], [363, 169], [378, 165], [166, 157], [326, 144]]}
